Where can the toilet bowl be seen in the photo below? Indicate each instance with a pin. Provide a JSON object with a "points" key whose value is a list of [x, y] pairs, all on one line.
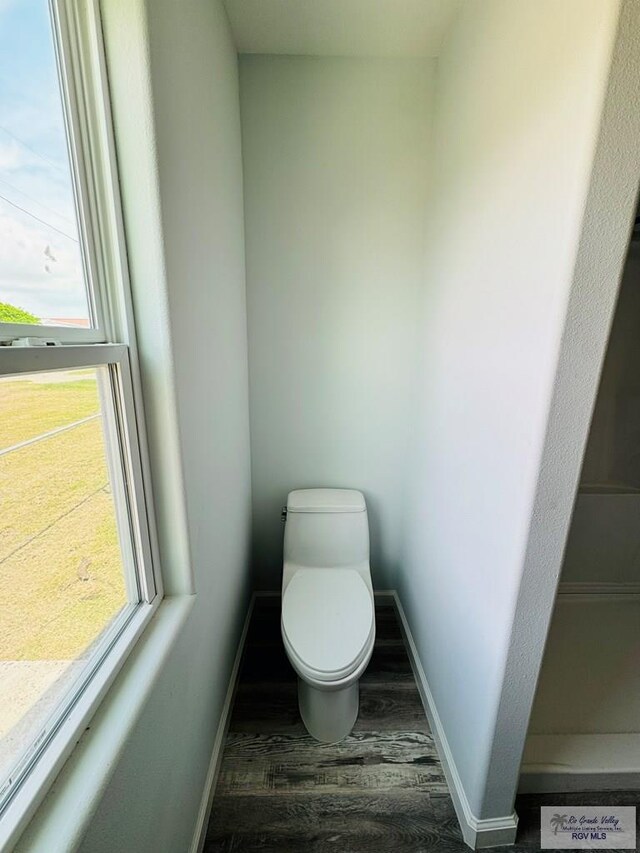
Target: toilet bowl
{"points": [[328, 619]]}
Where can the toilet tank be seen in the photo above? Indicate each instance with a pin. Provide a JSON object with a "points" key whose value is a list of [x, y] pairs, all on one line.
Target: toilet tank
{"points": [[326, 528]]}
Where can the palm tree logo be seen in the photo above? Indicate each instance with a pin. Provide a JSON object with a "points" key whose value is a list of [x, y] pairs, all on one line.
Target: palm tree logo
{"points": [[557, 821]]}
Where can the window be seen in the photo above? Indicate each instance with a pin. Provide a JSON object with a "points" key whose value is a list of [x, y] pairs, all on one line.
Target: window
{"points": [[41, 269], [77, 554]]}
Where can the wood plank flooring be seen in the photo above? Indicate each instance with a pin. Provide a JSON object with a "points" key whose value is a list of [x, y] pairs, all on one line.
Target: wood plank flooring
{"points": [[381, 789]]}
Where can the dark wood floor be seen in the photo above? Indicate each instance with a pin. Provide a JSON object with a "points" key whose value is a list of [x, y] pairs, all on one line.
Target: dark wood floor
{"points": [[382, 789]]}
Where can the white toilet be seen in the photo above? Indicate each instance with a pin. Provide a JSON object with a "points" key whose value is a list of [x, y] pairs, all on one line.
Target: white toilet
{"points": [[328, 619]]}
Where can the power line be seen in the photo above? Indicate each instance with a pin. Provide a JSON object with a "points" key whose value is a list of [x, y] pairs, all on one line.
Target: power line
{"points": [[33, 150], [48, 434], [37, 218], [52, 524], [35, 200]]}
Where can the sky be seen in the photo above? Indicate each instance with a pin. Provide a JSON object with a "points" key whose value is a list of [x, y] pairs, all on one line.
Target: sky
{"points": [[40, 261]]}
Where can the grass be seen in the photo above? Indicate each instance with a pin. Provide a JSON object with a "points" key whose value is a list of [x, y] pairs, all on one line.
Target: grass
{"points": [[61, 576], [30, 408]]}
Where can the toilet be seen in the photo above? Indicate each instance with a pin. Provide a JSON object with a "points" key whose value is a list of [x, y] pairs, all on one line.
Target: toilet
{"points": [[328, 618]]}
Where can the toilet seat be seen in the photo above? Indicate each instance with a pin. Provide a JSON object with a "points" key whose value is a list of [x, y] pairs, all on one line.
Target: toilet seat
{"points": [[328, 624]]}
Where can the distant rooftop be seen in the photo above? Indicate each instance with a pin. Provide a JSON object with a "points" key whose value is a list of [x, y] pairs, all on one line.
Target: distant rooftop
{"points": [[81, 322]]}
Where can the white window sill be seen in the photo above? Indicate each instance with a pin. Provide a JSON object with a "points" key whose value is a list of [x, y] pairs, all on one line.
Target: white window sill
{"points": [[61, 820]]}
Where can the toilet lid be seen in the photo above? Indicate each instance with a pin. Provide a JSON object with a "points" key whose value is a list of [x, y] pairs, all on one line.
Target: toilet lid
{"points": [[327, 615]]}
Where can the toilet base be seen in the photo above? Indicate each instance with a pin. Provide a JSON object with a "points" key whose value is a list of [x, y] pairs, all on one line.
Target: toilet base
{"points": [[328, 715]]}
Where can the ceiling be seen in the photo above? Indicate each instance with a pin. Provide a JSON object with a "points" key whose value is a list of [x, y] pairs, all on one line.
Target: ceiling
{"points": [[341, 27]]}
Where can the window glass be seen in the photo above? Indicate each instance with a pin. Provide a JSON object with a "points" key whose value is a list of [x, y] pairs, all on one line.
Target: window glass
{"points": [[65, 573], [41, 270]]}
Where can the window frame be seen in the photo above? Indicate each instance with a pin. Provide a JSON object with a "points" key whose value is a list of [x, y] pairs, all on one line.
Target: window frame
{"points": [[77, 36], [83, 85]]}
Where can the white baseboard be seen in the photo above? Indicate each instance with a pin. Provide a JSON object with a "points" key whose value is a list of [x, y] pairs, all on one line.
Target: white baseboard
{"points": [[580, 762], [206, 802], [477, 833], [385, 596], [567, 783], [595, 589]]}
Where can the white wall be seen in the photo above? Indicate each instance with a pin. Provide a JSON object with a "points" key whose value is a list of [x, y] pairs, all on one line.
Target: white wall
{"points": [[335, 156], [612, 456], [154, 794], [604, 536], [519, 96]]}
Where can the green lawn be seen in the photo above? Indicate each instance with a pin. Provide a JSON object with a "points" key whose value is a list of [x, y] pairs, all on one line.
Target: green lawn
{"points": [[61, 579], [29, 408]]}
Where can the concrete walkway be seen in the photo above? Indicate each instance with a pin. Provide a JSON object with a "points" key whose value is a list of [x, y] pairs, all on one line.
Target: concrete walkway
{"points": [[29, 692]]}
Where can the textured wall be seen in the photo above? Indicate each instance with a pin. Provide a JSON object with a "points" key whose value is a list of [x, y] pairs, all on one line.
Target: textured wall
{"points": [[152, 799], [335, 160], [611, 457], [512, 266]]}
